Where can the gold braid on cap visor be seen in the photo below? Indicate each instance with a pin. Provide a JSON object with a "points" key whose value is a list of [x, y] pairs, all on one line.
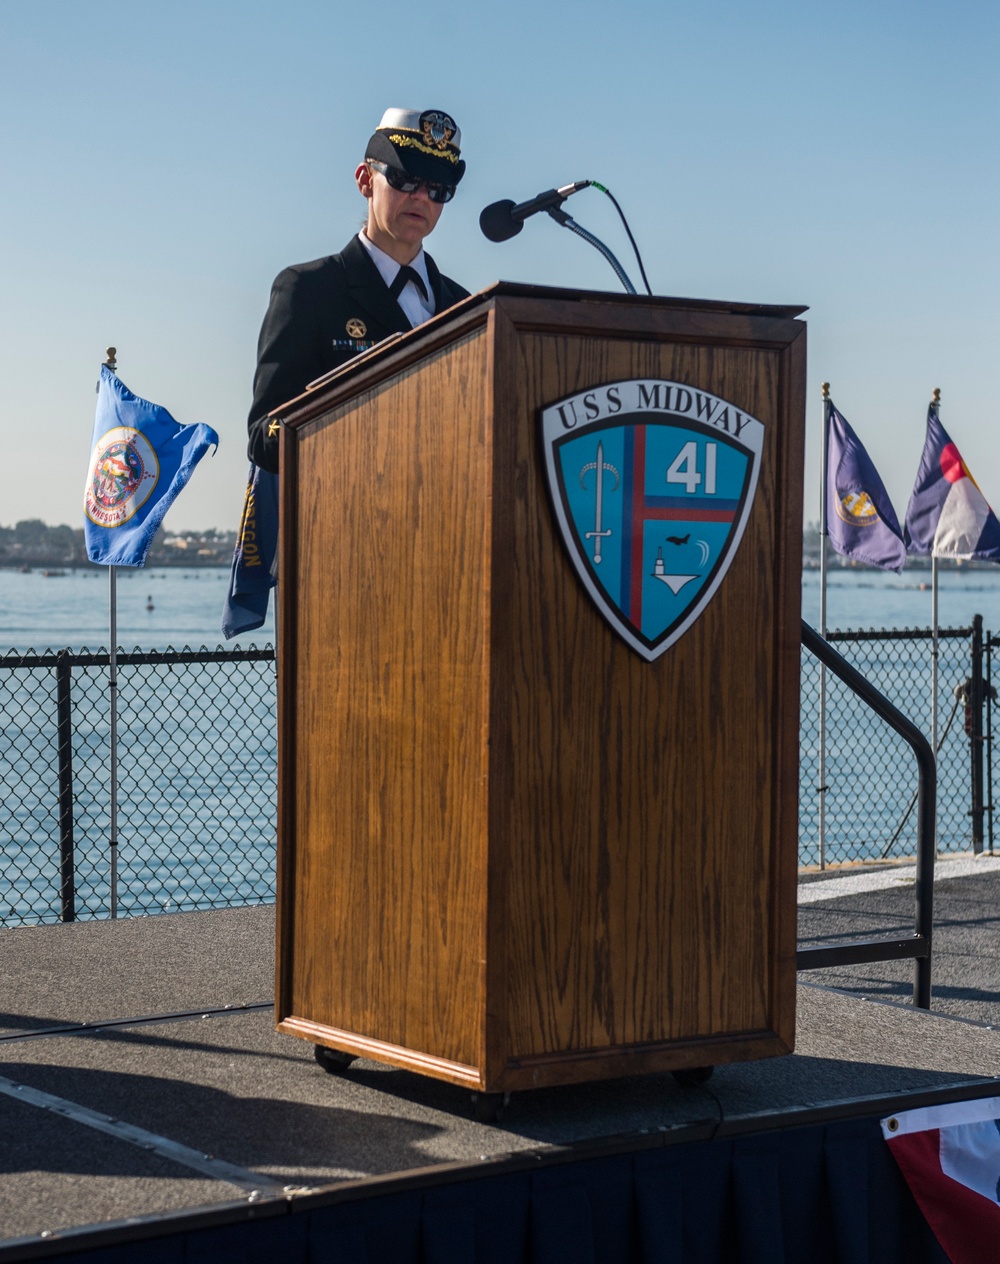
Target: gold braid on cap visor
{"points": [[398, 139]]}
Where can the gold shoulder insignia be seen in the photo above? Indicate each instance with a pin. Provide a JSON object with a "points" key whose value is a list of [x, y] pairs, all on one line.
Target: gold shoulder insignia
{"points": [[272, 428]]}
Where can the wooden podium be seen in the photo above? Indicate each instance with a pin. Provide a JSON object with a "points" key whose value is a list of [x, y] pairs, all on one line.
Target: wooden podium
{"points": [[514, 850]]}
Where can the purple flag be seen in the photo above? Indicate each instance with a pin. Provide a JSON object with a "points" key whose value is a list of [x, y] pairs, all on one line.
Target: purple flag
{"points": [[948, 515], [860, 520]]}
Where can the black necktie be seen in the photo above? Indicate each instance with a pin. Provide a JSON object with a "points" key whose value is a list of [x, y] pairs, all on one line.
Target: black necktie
{"points": [[406, 273]]}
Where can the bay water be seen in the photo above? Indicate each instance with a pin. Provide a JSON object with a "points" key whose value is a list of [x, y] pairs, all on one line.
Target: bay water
{"points": [[176, 607], [157, 609], [865, 598]]}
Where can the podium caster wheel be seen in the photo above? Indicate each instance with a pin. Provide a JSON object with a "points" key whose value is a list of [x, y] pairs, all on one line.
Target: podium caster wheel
{"points": [[332, 1060], [691, 1077], [488, 1108]]}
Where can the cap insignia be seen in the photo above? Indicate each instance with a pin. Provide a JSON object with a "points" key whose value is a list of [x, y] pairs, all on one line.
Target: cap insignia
{"points": [[436, 128]]}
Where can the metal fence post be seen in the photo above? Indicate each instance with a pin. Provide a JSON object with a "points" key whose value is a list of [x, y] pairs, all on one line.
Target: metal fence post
{"points": [[988, 738], [976, 733], [64, 743]]}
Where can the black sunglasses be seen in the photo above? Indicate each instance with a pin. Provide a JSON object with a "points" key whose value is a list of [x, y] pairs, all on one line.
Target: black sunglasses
{"points": [[403, 182]]}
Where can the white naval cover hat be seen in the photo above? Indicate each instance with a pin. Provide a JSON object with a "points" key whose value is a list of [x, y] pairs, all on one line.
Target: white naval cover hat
{"points": [[425, 143]]}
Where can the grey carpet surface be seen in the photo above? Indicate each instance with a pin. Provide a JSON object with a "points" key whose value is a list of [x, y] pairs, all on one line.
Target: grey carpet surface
{"points": [[99, 970]]}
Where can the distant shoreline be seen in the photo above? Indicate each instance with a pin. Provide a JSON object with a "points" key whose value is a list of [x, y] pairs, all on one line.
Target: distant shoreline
{"points": [[33, 545], [949, 564], [47, 567]]}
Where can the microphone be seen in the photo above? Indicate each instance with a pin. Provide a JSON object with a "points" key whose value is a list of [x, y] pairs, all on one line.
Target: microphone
{"points": [[502, 220]]}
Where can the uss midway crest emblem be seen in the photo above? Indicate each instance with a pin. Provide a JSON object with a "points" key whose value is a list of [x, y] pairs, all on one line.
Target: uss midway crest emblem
{"points": [[652, 484]]}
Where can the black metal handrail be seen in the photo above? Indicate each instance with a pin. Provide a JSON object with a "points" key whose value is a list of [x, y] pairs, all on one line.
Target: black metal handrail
{"points": [[889, 948], [895, 634]]}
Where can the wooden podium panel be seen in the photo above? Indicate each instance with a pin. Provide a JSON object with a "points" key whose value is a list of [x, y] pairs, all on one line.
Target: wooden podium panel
{"points": [[513, 852]]}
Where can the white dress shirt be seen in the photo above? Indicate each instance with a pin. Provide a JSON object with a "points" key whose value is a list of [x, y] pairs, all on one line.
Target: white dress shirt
{"points": [[415, 307]]}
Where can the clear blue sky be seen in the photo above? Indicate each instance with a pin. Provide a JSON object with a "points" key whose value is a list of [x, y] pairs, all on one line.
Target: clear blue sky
{"points": [[161, 162]]}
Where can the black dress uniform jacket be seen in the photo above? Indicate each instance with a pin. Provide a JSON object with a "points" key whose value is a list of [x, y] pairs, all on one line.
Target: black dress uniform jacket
{"points": [[305, 332]]}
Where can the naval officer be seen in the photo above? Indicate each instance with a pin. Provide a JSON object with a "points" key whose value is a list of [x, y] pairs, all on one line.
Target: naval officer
{"points": [[324, 312]]}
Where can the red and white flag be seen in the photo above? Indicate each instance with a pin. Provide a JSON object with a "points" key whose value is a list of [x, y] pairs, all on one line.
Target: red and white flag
{"points": [[950, 1156]]}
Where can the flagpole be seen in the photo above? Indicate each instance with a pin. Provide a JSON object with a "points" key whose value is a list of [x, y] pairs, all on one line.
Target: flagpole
{"points": [[823, 553], [113, 692], [131, 434], [112, 364], [936, 405]]}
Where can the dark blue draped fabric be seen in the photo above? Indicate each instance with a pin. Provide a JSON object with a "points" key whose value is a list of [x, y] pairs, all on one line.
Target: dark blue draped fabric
{"points": [[683, 1204], [360, 1232], [477, 1222], [828, 1194], [255, 1242], [583, 1213]]}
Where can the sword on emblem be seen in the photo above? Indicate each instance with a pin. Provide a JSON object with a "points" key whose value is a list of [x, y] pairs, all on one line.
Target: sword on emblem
{"points": [[598, 534]]}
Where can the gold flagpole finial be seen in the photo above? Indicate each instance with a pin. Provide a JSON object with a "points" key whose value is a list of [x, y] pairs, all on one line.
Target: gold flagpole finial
{"points": [[826, 390], [110, 360], [936, 396]]}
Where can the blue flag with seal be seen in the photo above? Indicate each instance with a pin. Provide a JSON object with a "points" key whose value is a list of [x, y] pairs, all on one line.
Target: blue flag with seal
{"points": [[140, 460], [860, 520], [252, 576], [652, 483]]}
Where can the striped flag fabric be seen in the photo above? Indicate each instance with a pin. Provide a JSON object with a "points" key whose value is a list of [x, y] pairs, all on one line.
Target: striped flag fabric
{"points": [[948, 516], [950, 1158]]}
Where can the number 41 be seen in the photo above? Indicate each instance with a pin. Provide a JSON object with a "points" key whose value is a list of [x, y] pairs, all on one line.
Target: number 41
{"points": [[684, 468]]}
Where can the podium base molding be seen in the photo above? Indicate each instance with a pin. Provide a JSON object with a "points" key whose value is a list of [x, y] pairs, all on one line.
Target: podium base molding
{"points": [[549, 1069]]}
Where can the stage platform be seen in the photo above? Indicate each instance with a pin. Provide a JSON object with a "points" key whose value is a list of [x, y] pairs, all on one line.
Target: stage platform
{"points": [[178, 1093]]}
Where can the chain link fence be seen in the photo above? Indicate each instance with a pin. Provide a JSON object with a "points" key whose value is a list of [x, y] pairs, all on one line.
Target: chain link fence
{"points": [[871, 779], [197, 763], [196, 782]]}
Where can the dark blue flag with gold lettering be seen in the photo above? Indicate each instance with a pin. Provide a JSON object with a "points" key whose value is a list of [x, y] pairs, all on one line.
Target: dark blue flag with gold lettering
{"points": [[252, 575], [860, 520]]}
